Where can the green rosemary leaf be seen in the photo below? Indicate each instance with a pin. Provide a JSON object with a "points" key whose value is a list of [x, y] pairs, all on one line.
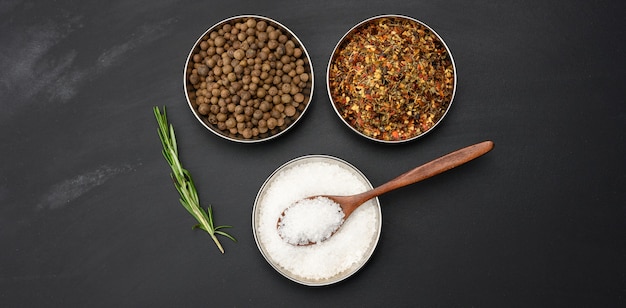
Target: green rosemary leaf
{"points": [[226, 235], [222, 227], [199, 226], [209, 214], [183, 181], [192, 186], [187, 206], [173, 143], [204, 215]]}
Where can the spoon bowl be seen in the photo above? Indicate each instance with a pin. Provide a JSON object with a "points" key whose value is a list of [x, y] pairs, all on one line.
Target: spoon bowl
{"points": [[350, 203]]}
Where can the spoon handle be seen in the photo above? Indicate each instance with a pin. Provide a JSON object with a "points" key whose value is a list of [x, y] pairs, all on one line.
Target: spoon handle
{"points": [[431, 168]]}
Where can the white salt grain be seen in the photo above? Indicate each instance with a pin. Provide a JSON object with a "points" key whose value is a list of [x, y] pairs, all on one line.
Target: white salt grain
{"points": [[343, 252], [310, 220]]}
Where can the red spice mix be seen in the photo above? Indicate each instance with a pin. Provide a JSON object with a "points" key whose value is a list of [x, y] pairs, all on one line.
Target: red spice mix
{"points": [[391, 78]]}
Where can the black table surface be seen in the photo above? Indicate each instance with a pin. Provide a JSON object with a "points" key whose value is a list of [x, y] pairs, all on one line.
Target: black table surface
{"points": [[89, 216]]}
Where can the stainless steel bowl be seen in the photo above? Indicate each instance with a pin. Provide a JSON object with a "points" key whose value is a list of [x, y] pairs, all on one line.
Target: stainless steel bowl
{"points": [[190, 95], [266, 212], [340, 45]]}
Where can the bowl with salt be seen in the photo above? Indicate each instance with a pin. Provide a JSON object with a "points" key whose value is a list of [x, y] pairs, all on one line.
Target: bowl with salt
{"points": [[332, 260]]}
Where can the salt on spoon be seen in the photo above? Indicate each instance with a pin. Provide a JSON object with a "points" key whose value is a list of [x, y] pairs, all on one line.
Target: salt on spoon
{"points": [[315, 219]]}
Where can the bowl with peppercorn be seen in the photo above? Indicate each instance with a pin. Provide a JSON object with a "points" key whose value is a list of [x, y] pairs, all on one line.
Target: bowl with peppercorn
{"points": [[248, 79], [391, 79]]}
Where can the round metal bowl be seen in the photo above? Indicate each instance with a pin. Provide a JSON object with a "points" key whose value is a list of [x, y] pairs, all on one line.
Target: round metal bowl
{"points": [[351, 246], [201, 77], [377, 89]]}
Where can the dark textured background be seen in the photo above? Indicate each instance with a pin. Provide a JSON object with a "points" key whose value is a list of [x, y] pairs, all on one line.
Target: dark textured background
{"points": [[90, 218]]}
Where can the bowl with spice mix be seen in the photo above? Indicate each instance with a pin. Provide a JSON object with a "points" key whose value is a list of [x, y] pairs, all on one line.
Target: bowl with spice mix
{"points": [[391, 79], [248, 79]]}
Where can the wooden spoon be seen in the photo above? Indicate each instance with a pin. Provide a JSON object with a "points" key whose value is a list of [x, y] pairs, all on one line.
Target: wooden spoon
{"points": [[349, 203]]}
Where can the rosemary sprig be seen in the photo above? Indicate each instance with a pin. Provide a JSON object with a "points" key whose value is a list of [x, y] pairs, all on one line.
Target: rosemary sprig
{"points": [[184, 183]]}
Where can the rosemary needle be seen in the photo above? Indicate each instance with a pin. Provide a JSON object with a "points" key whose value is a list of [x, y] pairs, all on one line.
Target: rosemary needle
{"points": [[184, 183]]}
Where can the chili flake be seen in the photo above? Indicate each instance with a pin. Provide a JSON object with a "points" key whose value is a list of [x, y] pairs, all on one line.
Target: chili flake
{"points": [[391, 78]]}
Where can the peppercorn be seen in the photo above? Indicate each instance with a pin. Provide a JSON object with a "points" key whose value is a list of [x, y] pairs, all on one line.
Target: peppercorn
{"points": [[204, 109], [290, 110]]}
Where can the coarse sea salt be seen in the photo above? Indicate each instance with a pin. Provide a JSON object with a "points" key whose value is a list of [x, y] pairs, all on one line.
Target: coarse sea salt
{"points": [[340, 255], [310, 221]]}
